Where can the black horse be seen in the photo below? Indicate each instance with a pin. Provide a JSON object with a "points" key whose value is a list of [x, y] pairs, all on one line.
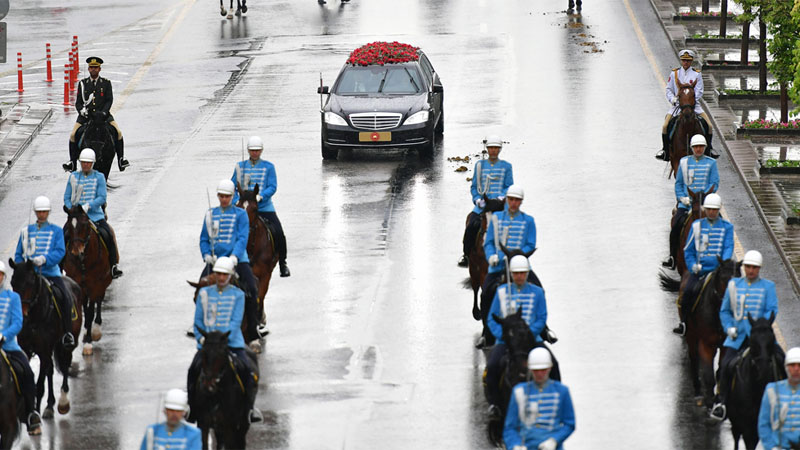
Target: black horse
{"points": [[519, 341], [218, 399], [12, 404], [42, 330], [100, 136], [760, 363]]}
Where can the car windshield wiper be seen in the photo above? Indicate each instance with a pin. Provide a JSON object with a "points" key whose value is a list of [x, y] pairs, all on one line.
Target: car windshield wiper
{"points": [[411, 78], [383, 80]]}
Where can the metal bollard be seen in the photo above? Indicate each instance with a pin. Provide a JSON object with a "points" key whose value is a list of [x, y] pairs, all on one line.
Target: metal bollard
{"points": [[67, 71], [19, 72], [49, 65]]}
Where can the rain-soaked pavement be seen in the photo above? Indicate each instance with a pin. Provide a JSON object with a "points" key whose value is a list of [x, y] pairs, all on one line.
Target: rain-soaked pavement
{"points": [[372, 335]]}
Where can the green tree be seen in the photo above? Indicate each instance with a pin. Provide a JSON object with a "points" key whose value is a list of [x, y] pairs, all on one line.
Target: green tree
{"points": [[794, 90], [784, 29]]}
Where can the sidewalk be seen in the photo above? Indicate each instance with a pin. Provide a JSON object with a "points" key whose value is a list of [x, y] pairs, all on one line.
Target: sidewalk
{"points": [[19, 124]]}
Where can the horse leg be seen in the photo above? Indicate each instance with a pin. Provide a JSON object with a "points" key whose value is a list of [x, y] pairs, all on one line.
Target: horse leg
{"points": [[691, 343], [87, 336], [204, 428], [476, 312], [40, 383], [51, 398], [706, 374], [97, 331], [750, 435]]}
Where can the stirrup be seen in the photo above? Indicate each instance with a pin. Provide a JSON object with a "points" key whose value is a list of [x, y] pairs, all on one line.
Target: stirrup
{"points": [[669, 263], [256, 416], [680, 330], [68, 166], [718, 412], [68, 341], [123, 164], [463, 262], [34, 422], [284, 270], [115, 272], [481, 343], [262, 331], [494, 412]]}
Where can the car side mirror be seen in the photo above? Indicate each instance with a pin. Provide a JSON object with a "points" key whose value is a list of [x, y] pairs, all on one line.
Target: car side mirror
{"points": [[438, 88], [322, 90]]}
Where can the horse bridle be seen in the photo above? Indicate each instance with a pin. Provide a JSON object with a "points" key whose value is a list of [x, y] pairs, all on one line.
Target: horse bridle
{"points": [[84, 241]]}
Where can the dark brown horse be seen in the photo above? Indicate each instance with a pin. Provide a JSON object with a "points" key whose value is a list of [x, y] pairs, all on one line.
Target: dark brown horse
{"points": [[42, 330], [478, 266], [686, 126], [260, 247], [12, 405], [87, 263]]}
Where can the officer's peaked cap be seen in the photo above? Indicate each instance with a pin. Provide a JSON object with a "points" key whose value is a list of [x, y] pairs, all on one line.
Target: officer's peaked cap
{"points": [[94, 61]]}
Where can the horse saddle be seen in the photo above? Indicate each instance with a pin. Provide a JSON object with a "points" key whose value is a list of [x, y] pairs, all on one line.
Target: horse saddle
{"points": [[270, 231]]}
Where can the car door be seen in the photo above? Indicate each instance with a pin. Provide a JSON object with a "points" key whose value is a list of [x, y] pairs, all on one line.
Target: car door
{"points": [[433, 80]]}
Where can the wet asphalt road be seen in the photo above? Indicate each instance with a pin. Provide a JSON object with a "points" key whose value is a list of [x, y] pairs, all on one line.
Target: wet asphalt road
{"points": [[371, 343]]}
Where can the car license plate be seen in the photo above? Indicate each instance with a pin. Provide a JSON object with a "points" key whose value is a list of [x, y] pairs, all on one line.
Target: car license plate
{"points": [[375, 136]]}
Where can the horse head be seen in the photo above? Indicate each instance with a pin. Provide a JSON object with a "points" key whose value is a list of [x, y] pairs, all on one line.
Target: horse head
{"points": [[493, 204], [512, 253], [27, 283], [762, 346], [248, 200], [520, 340], [686, 99], [697, 202], [214, 359], [726, 269], [77, 230]]}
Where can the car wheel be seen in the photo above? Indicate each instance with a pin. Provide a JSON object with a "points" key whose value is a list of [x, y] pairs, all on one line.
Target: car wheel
{"points": [[329, 153], [426, 151]]}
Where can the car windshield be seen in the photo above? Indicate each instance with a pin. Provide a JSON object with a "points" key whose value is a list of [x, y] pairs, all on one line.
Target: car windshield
{"points": [[379, 80]]}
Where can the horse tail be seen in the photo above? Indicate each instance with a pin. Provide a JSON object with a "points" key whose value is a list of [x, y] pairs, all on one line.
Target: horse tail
{"points": [[466, 283], [63, 359], [668, 283]]}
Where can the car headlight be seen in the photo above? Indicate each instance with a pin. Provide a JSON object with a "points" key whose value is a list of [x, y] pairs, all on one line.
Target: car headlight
{"points": [[335, 119], [420, 117]]}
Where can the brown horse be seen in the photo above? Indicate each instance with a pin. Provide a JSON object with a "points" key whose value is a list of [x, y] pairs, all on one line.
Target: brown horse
{"points": [[478, 266], [86, 262], [686, 126], [12, 405], [260, 247], [42, 330]]}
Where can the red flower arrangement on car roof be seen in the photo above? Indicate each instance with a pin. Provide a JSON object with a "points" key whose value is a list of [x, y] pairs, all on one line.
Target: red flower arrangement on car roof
{"points": [[381, 53]]}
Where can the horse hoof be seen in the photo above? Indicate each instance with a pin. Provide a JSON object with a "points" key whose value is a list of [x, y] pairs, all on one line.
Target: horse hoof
{"points": [[230, 16], [244, 8], [35, 432], [97, 333], [63, 403], [476, 314], [255, 346], [87, 349], [222, 12], [48, 413]]}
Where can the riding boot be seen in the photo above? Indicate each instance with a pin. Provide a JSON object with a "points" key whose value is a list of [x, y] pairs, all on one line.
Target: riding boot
{"points": [[664, 153], [68, 341], [255, 414], [709, 149], [119, 148], [680, 330], [71, 165], [281, 244]]}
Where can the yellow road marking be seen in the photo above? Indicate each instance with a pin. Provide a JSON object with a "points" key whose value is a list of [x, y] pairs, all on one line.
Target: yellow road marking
{"points": [[738, 249]]}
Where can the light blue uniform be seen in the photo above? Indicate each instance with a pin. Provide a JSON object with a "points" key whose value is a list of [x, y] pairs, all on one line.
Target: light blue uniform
{"points": [[263, 174], [46, 240], [695, 175], [787, 433], [89, 189], [185, 437], [521, 231], [546, 413], [220, 311], [757, 299], [530, 299], [230, 228], [712, 241], [10, 319], [494, 179]]}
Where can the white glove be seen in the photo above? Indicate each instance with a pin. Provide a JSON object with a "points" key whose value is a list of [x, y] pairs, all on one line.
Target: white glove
{"points": [[2, 339], [481, 203], [259, 198], [39, 260], [674, 101], [494, 260], [235, 260], [502, 198], [208, 259], [686, 201], [732, 333], [549, 444], [85, 207], [520, 447], [696, 268]]}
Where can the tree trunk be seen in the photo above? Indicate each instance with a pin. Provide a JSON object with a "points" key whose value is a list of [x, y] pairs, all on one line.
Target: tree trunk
{"points": [[705, 6], [723, 18], [745, 43], [784, 103], [762, 55]]}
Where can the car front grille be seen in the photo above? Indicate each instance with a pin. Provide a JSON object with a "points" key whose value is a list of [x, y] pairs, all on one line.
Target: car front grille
{"points": [[375, 120]]}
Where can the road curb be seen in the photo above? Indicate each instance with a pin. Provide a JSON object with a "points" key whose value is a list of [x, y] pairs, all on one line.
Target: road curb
{"points": [[24, 123]]}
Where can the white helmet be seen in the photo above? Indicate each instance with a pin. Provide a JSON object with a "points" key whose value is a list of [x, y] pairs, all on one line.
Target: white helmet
{"points": [[176, 399], [87, 155], [698, 139], [226, 187], [792, 356], [224, 265], [753, 258], [515, 191], [3, 268], [255, 143], [519, 263], [712, 201], [539, 358], [494, 141], [41, 203]]}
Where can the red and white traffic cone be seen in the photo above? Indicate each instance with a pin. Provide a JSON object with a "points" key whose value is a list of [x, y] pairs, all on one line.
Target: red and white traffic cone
{"points": [[49, 65]]}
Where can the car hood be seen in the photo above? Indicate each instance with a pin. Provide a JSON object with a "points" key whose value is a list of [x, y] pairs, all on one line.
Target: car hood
{"points": [[403, 104]]}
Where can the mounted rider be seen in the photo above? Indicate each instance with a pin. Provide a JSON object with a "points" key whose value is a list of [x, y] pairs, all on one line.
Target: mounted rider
{"points": [[749, 295], [684, 74], [697, 173], [710, 239], [94, 99], [174, 432], [10, 326], [779, 415], [220, 307], [510, 297], [491, 177], [87, 188], [43, 244], [225, 231], [256, 171], [540, 414]]}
